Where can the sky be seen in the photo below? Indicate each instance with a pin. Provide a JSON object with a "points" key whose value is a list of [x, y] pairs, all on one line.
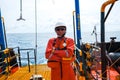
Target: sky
{"points": [[51, 11]]}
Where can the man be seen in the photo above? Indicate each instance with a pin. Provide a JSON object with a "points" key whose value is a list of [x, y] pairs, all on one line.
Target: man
{"points": [[60, 55]]}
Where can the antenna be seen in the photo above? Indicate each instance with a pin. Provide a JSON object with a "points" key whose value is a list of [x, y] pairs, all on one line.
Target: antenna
{"points": [[20, 12], [95, 32]]}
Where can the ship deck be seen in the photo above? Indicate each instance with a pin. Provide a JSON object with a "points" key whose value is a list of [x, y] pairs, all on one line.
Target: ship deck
{"points": [[23, 73]]}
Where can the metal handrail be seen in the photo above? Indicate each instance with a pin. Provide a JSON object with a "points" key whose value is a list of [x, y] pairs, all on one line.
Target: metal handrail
{"points": [[5, 62], [28, 58]]}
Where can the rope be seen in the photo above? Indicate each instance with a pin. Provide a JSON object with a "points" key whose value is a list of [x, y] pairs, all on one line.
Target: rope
{"points": [[117, 50], [110, 66]]}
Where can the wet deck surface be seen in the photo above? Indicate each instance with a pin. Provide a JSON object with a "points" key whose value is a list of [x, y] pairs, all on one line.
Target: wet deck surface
{"points": [[24, 74]]}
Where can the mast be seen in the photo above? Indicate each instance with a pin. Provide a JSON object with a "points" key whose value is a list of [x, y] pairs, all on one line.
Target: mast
{"points": [[78, 29], [79, 57]]}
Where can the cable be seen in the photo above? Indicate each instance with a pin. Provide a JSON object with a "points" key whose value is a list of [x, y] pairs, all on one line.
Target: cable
{"points": [[35, 36]]}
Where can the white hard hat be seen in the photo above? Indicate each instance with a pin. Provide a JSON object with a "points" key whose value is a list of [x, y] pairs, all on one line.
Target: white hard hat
{"points": [[60, 24]]}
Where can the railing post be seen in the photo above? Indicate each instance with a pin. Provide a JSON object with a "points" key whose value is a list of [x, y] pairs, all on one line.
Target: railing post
{"points": [[28, 61], [19, 56]]}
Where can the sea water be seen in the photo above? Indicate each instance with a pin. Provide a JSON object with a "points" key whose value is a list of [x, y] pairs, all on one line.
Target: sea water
{"points": [[29, 40]]}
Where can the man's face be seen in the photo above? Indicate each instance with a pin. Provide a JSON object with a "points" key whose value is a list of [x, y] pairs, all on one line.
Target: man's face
{"points": [[60, 31]]}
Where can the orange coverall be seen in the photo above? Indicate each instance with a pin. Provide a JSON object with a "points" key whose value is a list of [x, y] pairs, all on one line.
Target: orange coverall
{"points": [[59, 53]]}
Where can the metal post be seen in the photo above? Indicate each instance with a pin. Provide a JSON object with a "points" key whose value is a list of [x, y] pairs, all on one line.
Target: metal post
{"points": [[103, 45], [19, 56], [2, 35], [28, 61], [78, 23], [103, 48]]}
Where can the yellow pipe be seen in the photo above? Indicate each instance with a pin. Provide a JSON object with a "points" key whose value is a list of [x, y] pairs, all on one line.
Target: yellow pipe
{"points": [[106, 3], [88, 55], [80, 52], [2, 19], [7, 60], [6, 51], [73, 13], [81, 69]]}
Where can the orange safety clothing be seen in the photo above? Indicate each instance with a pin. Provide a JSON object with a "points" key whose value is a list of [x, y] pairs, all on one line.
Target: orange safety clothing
{"points": [[60, 55]]}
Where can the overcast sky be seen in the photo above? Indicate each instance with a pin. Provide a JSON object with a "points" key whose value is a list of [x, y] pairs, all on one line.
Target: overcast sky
{"points": [[51, 11]]}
